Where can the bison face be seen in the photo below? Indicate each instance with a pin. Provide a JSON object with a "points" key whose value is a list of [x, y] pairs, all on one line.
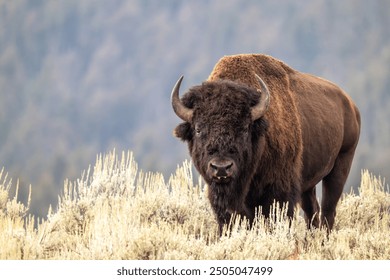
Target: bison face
{"points": [[219, 147], [223, 126]]}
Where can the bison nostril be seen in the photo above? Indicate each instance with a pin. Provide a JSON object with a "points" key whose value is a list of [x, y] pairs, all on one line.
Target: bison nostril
{"points": [[213, 166], [229, 166], [221, 169]]}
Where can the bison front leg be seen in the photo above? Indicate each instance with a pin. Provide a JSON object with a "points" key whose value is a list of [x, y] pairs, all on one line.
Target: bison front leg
{"points": [[290, 197], [227, 219], [311, 208], [223, 219]]}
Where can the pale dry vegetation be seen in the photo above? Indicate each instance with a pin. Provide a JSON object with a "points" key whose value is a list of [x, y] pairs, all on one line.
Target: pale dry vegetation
{"points": [[117, 212]]}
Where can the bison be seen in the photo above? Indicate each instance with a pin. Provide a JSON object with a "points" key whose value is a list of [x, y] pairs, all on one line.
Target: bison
{"points": [[259, 131]]}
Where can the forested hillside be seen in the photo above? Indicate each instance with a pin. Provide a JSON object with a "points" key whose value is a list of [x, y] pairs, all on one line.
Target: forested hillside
{"points": [[78, 78]]}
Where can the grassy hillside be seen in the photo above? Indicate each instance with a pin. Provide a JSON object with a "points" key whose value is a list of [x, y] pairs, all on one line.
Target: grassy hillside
{"points": [[117, 212]]}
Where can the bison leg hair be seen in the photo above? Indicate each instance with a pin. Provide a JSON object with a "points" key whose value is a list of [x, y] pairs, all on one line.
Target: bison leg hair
{"points": [[311, 208], [226, 218], [291, 197], [223, 218]]}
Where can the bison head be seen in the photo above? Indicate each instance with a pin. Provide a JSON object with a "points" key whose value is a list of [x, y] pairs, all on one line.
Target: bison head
{"points": [[224, 129]]}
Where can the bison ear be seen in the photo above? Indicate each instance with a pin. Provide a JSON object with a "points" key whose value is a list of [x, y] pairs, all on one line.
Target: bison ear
{"points": [[183, 131], [260, 127]]}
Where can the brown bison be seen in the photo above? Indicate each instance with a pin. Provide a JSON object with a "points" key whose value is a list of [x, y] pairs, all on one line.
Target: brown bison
{"points": [[259, 131]]}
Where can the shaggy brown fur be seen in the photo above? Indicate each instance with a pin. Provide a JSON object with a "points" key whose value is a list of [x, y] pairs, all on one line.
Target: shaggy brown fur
{"points": [[309, 133]]}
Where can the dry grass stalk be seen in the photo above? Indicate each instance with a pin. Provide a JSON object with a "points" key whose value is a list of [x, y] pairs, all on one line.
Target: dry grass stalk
{"points": [[118, 212]]}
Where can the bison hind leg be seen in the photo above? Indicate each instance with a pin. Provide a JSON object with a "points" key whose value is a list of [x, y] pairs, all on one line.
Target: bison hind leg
{"points": [[311, 208], [332, 187]]}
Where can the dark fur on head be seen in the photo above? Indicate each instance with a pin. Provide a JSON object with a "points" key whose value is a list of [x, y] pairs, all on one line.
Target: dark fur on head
{"points": [[208, 91]]}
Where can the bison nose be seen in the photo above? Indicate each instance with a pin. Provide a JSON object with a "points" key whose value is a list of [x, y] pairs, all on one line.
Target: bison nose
{"points": [[221, 169]]}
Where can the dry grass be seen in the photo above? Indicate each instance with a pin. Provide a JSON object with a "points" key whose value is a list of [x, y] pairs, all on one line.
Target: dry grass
{"points": [[118, 212]]}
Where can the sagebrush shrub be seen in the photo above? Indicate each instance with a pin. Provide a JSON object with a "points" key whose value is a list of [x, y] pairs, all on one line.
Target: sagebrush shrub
{"points": [[116, 211]]}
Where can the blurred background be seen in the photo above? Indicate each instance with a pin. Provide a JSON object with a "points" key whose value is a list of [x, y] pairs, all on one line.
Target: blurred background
{"points": [[79, 78]]}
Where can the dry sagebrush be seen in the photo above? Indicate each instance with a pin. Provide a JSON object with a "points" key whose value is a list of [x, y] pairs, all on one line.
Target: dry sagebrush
{"points": [[118, 212]]}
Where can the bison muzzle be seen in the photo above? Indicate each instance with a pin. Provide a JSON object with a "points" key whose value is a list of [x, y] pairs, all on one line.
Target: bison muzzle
{"points": [[259, 131]]}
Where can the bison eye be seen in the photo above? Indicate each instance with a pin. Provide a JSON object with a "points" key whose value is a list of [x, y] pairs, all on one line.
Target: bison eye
{"points": [[246, 131], [198, 131]]}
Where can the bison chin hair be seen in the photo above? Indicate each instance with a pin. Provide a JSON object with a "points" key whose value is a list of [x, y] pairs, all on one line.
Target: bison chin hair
{"points": [[228, 194], [227, 199]]}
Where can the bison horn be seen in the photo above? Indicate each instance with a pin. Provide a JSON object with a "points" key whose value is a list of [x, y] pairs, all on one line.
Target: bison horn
{"points": [[261, 107], [180, 109]]}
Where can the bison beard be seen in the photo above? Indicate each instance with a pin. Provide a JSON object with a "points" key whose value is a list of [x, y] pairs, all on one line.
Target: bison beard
{"points": [[234, 195], [253, 152]]}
